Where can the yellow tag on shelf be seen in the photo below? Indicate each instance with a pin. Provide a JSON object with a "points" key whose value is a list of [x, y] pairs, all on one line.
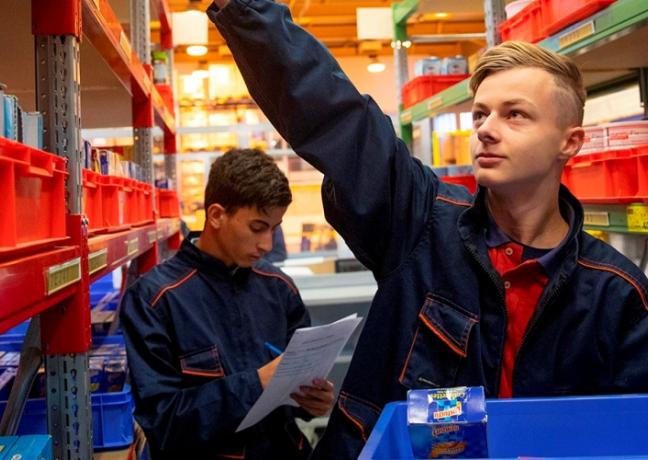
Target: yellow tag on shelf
{"points": [[63, 275], [132, 246], [576, 35], [637, 218], [97, 260]]}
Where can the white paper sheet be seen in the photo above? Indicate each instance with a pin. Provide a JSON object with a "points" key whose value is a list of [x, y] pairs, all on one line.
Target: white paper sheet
{"points": [[311, 354]]}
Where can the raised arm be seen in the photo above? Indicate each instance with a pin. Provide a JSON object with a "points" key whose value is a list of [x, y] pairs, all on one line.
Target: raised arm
{"points": [[374, 193]]}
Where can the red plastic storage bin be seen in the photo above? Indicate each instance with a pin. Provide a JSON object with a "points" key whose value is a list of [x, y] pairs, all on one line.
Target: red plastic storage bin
{"points": [[140, 210], [642, 175], [168, 205], [113, 194], [558, 14], [467, 181], [130, 200], [92, 200], [420, 88], [32, 184], [525, 26], [604, 177]]}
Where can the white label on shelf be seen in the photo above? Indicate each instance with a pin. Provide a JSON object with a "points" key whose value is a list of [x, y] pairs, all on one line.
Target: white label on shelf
{"points": [[578, 34], [406, 117], [599, 218], [132, 246], [63, 275], [97, 260], [152, 236]]}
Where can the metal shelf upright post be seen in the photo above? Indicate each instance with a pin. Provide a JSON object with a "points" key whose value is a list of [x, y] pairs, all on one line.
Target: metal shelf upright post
{"points": [[57, 30]]}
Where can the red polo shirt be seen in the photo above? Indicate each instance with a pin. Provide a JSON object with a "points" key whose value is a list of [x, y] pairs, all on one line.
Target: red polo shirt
{"points": [[525, 272]]}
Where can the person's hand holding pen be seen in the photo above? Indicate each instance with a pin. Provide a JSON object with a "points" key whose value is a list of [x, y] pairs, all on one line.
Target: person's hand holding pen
{"points": [[316, 399], [266, 372]]}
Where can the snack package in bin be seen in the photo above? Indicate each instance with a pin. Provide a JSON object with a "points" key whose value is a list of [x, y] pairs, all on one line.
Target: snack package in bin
{"points": [[447, 422]]}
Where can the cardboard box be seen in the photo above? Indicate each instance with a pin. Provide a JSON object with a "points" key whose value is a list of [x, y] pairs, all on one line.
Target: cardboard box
{"points": [[447, 422]]}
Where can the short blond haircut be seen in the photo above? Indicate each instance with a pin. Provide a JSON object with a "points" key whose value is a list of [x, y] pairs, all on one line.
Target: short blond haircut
{"points": [[516, 54]]}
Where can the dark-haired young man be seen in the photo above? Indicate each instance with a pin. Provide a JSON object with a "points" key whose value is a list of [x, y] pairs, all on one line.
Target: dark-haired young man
{"points": [[195, 327]]}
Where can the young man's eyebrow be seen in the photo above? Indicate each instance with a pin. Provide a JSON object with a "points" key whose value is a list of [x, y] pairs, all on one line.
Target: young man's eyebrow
{"points": [[510, 102], [519, 101]]}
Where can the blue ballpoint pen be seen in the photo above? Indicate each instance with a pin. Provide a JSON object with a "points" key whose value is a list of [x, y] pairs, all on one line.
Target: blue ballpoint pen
{"points": [[274, 350]]}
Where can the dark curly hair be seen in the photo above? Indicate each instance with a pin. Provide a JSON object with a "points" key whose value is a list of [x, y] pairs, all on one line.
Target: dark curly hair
{"points": [[246, 178]]}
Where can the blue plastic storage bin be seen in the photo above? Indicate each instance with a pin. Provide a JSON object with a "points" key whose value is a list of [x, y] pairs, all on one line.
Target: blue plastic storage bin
{"points": [[589, 427], [112, 418], [26, 447]]}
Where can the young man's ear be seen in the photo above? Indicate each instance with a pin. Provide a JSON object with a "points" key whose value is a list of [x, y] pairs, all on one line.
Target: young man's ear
{"points": [[215, 215], [572, 142]]}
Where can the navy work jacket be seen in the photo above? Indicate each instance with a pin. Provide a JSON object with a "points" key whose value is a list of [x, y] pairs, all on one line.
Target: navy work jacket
{"points": [[195, 332], [439, 316]]}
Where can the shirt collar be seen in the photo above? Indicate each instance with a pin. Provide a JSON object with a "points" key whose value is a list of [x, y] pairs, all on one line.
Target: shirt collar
{"points": [[550, 261], [204, 262]]}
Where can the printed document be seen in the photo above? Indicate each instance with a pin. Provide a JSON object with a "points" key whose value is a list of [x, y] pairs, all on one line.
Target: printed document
{"points": [[310, 354]]}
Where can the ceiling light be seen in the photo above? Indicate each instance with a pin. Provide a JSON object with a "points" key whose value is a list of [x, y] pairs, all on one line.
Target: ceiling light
{"points": [[441, 15], [196, 50], [375, 66], [202, 71]]}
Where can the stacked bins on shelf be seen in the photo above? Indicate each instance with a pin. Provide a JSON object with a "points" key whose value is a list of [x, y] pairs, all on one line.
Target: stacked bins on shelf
{"points": [[607, 177], [33, 189], [112, 420]]}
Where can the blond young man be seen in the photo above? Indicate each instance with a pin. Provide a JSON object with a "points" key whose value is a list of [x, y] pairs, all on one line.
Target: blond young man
{"points": [[501, 289]]}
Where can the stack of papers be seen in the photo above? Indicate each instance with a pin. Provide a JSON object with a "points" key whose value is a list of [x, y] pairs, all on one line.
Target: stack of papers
{"points": [[311, 354]]}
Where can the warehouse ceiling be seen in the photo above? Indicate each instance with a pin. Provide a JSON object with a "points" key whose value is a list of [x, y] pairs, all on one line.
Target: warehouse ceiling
{"points": [[334, 23]]}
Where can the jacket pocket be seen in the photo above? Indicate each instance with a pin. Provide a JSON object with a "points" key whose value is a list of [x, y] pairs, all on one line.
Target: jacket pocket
{"points": [[202, 363], [362, 414], [439, 346]]}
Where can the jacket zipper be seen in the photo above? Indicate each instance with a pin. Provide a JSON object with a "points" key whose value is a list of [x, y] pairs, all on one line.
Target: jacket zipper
{"points": [[502, 298]]}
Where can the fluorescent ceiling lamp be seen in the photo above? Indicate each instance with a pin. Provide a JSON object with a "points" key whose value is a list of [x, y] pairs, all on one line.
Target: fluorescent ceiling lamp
{"points": [[196, 50], [375, 66]]}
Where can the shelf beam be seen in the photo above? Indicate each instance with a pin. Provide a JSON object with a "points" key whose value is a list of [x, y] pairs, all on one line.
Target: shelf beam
{"points": [[35, 283]]}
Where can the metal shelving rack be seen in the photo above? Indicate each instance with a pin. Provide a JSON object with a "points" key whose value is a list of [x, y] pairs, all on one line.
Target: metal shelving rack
{"points": [[54, 282], [604, 45]]}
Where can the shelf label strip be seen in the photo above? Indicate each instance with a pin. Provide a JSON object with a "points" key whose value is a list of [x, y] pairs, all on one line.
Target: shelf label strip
{"points": [[97, 260], [132, 246], [598, 218], [576, 35], [63, 275]]}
